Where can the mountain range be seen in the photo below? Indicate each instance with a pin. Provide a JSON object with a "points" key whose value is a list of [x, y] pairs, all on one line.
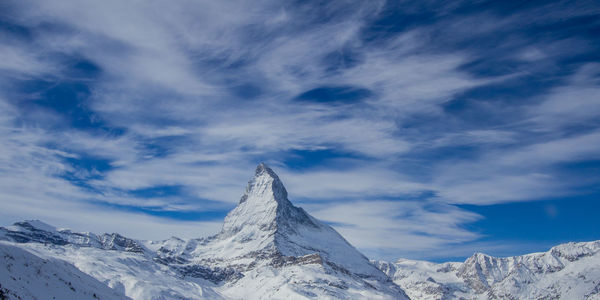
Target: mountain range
{"points": [[270, 249]]}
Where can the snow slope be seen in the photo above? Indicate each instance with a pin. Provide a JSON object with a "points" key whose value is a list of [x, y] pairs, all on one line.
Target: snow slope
{"points": [[26, 276]]}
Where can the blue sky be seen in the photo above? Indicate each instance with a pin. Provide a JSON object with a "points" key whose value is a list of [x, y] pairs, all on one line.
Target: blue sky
{"points": [[418, 129]]}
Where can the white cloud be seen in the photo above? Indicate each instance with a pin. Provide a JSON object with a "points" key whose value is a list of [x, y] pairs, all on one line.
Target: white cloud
{"points": [[399, 227], [577, 103], [526, 167], [21, 61], [359, 182], [80, 217], [520, 174], [167, 72]]}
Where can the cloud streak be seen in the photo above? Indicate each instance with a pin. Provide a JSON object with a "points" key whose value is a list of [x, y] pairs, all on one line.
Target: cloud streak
{"points": [[167, 107]]}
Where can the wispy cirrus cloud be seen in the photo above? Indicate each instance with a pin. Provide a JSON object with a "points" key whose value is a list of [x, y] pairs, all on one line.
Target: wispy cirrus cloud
{"points": [[158, 109], [393, 229], [532, 170]]}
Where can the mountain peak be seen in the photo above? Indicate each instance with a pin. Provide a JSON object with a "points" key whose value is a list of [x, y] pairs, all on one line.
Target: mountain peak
{"points": [[265, 221], [262, 168], [264, 199], [265, 186], [34, 225]]}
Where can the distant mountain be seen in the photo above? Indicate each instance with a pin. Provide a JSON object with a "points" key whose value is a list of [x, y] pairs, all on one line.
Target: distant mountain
{"points": [[567, 271], [267, 249]]}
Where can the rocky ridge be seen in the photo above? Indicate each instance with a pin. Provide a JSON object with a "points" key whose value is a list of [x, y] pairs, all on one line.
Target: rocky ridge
{"points": [[566, 271]]}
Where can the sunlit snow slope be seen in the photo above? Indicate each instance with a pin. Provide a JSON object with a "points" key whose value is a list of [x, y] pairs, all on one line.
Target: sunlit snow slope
{"points": [[24, 275]]}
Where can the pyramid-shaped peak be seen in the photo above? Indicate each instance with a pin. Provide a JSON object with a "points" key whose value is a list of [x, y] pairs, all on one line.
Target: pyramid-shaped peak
{"points": [[266, 222], [265, 186], [263, 201], [263, 168]]}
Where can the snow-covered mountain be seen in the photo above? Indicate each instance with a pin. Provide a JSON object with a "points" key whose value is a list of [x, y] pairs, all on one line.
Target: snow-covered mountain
{"points": [[265, 224], [267, 249], [567, 271], [270, 249]]}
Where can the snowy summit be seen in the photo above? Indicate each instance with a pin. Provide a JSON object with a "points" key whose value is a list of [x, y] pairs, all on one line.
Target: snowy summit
{"points": [[266, 221]]}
